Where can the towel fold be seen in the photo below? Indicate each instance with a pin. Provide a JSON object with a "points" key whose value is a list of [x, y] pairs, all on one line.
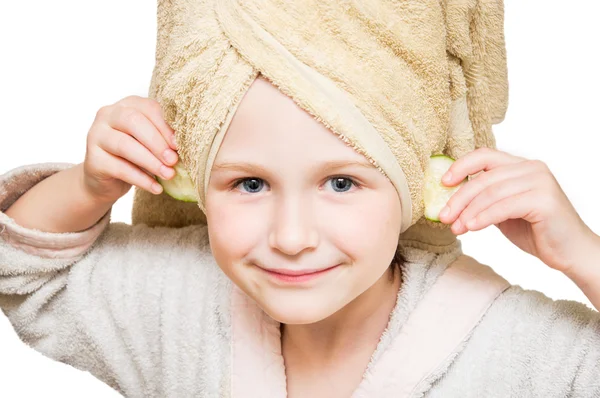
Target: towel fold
{"points": [[399, 81]]}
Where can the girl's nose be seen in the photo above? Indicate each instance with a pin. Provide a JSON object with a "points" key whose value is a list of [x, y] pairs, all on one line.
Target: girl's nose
{"points": [[294, 228]]}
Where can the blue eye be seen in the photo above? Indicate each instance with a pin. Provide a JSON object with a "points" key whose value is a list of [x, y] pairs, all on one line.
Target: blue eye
{"points": [[254, 184], [341, 183]]}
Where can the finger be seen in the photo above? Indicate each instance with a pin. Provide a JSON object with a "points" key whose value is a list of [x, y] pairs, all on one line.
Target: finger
{"points": [[482, 159], [491, 195], [126, 171], [513, 207], [136, 124], [473, 188], [124, 146], [153, 110]]}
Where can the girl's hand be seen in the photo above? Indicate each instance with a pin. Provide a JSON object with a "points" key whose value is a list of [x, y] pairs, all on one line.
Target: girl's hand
{"points": [[523, 199], [128, 143]]}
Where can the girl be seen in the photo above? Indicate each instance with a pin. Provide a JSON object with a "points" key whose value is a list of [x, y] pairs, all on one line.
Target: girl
{"points": [[296, 285], [147, 310]]}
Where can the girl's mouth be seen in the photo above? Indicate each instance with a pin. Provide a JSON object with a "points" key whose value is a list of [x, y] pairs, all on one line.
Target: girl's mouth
{"points": [[297, 276]]}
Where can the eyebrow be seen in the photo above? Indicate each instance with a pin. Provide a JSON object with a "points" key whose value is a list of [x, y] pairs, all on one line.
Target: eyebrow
{"points": [[255, 168]]}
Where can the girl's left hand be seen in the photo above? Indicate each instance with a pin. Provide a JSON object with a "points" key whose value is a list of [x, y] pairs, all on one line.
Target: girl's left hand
{"points": [[523, 199]]}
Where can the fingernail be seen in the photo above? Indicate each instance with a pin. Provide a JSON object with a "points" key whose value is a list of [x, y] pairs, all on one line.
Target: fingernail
{"points": [[445, 211], [170, 156], [157, 188], [447, 177], [174, 142], [457, 225], [166, 172]]}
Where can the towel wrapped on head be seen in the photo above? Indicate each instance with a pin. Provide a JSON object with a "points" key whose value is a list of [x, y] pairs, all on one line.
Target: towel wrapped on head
{"points": [[399, 81]]}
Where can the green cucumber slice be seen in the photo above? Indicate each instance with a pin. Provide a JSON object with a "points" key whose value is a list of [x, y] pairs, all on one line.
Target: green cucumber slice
{"points": [[436, 194], [179, 187]]}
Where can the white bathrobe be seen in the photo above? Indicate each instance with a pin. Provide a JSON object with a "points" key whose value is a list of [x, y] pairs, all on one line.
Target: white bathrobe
{"points": [[149, 312]]}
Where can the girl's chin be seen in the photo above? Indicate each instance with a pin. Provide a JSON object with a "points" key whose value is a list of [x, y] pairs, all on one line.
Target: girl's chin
{"points": [[298, 321], [297, 314]]}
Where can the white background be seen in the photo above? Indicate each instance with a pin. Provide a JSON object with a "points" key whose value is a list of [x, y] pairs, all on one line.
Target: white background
{"points": [[63, 60]]}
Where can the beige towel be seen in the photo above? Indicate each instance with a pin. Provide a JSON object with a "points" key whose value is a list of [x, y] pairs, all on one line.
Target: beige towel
{"points": [[398, 80]]}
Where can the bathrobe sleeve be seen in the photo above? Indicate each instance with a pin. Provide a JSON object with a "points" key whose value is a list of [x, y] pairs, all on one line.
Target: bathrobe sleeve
{"points": [[110, 300]]}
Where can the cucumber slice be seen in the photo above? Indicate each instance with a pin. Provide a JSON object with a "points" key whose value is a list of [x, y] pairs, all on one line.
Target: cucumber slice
{"points": [[436, 194], [179, 187]]}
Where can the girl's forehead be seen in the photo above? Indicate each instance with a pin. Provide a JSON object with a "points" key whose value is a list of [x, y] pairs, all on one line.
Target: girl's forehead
{"points": [[265, 104], [266, 119]]}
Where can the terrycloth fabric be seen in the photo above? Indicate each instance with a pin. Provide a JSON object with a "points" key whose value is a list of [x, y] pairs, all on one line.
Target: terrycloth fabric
{"points": [[148, 311], [398, 81]]}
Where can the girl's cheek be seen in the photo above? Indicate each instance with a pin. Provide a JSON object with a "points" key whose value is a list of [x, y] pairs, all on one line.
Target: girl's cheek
{"points": [[233, 232]]}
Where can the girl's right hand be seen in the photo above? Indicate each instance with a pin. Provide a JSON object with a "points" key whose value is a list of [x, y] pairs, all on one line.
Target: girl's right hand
{"points": [[128, 143]]}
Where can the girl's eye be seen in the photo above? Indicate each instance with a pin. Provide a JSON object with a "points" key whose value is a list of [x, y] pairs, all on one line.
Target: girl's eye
{"points": [[342, 183], [253, 184]]}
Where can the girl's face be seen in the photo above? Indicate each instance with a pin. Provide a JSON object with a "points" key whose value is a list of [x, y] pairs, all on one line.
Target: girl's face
{"points": [[287, 194]]}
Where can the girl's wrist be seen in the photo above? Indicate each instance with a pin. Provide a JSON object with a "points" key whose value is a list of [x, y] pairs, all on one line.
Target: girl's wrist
{"points": [[586, 273], [88, 194]]}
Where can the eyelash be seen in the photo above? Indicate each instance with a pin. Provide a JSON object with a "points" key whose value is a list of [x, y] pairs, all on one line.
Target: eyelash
{"points": [[237, 182]]}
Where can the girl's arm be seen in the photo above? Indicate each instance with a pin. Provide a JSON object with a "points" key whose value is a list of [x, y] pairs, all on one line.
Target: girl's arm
{"points": [[58, 203], [111, 299], [586, 275]]}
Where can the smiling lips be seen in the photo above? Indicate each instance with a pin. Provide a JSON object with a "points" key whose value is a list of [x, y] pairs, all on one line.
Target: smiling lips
{"points": [[287, 275]]}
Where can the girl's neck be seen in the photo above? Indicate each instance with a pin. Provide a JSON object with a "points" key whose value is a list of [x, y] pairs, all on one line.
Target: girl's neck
{"points": [[354, 329]]}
